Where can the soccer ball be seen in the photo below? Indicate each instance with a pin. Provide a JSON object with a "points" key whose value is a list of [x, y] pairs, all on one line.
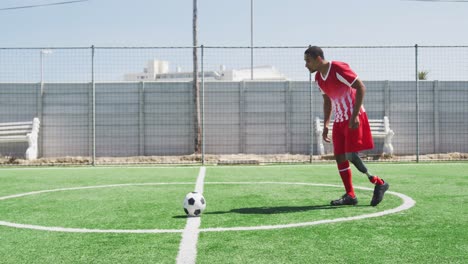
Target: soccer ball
{"points": [[194, 204]]}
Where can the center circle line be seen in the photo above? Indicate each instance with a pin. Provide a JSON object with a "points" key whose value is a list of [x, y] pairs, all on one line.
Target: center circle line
{"points": [[408, 202]]}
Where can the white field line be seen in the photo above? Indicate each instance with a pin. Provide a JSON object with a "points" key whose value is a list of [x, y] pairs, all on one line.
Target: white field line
{"points": [[200, 180], [86, 230], [92, 187], [408, 202], [89, 167], [188, 246]]}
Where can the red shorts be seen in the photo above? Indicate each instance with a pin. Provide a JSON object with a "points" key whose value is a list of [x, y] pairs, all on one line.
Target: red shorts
{"points": [[346, 140]]}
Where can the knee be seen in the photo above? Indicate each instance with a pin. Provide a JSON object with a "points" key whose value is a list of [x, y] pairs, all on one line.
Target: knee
{"points": [[340, 158], [349, 156]]}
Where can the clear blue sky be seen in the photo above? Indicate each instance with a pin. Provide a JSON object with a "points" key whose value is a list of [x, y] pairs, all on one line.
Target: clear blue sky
{"points": [[153, 23], [227, 22]]}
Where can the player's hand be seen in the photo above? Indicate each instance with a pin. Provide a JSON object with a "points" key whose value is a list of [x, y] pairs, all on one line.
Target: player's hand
{"points": [[325, 135], [354, 122]]}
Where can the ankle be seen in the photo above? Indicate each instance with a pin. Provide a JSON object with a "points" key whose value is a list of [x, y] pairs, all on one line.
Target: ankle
{"points": [[376, 180]]}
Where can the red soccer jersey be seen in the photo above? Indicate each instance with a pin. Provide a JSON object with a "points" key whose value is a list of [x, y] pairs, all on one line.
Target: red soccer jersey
{"points": [[337, 85]]}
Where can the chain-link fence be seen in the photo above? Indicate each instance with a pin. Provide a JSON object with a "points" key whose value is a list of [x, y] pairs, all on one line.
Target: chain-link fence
{"points": [[141, 105]]}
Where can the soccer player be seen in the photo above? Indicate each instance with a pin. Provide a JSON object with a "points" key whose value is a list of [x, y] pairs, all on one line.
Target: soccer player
{"points": [[343, 92]]}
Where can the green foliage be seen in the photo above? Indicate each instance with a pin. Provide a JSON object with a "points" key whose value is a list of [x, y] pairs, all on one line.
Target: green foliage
{"points": [[422, 75]]}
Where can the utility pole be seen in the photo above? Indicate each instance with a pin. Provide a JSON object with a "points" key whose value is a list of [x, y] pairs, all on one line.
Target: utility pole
{"points": [[196, 86]]}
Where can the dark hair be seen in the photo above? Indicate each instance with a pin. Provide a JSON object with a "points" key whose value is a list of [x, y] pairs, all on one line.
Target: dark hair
{"points": [[314, 52]]}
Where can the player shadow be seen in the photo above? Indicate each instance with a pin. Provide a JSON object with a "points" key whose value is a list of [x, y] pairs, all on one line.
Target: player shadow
{"points": [[276, 210]]}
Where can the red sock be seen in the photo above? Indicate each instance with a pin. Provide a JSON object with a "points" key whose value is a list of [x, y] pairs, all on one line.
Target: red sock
{"points": [[346, 177], [376, 180]]}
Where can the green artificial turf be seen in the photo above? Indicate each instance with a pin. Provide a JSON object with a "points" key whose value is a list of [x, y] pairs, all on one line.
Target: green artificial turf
{"points": [[433, 231]]}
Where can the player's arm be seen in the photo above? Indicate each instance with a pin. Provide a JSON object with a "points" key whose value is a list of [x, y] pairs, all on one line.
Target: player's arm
{"points": [[360, 91], [327, 108]]}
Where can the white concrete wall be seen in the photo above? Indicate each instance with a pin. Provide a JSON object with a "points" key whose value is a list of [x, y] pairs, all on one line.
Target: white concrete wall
{"points": [[240, 117]]}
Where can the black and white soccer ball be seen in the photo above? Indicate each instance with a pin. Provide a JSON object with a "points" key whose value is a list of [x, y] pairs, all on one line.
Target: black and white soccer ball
{"points": [[194, 204]]}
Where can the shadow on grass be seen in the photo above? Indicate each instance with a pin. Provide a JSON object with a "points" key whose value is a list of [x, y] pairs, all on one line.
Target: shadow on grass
{"points": [[275, 210]]}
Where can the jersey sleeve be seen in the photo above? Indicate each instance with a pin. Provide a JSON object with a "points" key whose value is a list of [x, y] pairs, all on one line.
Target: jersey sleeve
{"points": [[345, 75]]}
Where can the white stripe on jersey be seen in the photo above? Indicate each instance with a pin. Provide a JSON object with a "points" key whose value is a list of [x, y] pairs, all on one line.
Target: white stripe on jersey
{"points": [[350, 100], [343, 107], [338, 111], [343, 80], [343, 102]]}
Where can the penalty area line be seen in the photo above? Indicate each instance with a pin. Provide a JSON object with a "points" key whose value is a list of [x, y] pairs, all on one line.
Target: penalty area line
{"points": [[188, 245]]}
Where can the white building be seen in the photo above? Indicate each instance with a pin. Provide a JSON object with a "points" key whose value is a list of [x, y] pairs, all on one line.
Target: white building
{"points": [[159, 71], [149, 73]]}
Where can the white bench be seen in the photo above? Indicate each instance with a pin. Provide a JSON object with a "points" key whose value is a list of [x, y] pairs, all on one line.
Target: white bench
{"points": [[380, 128], [22, 132]]}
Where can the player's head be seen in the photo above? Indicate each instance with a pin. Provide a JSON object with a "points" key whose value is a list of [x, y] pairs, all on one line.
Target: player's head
{"points": [[313, 57]]}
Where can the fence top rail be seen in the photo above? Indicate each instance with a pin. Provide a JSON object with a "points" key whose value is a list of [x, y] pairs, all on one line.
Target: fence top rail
{"points": [[96, 47], [232, 47], [42, 48]]}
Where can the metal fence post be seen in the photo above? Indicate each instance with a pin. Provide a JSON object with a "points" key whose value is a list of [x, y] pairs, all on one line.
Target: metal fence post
{"points": [[417, 101], [40, 103], [311, 117], [287, 115], [90, 121], [202, 105], [251, 41], [387, 99], [141, 119], [436, 117], [40, 107], [242, 105], [93, 84]]}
